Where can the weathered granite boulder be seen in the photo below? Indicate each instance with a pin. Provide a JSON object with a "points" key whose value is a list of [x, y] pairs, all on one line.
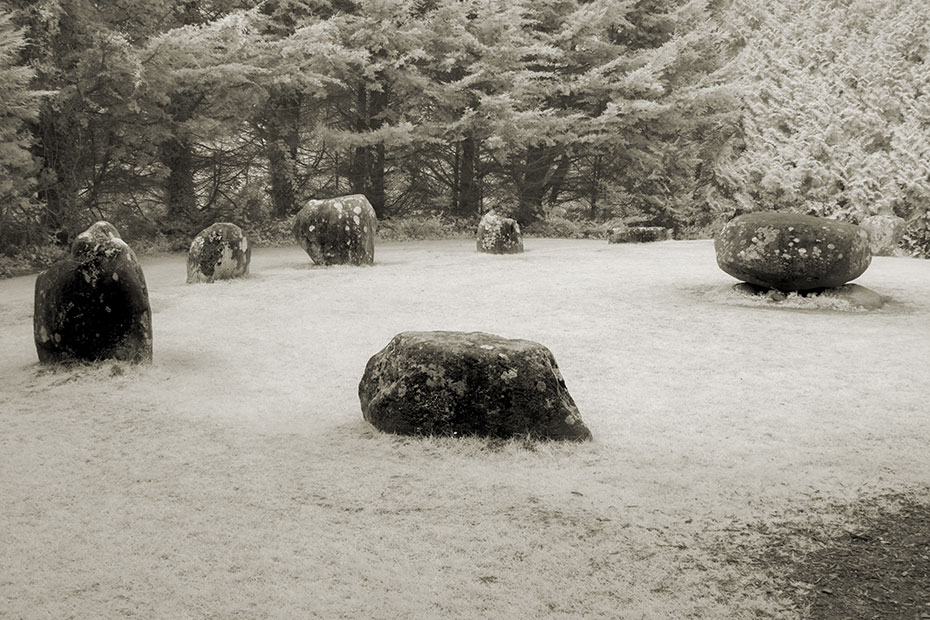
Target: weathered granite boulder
{"points": [[885, 232], [94, 304], [338, 231], [218, 252], [638, 234], [499, 235], [791, 252], [460, 383]]}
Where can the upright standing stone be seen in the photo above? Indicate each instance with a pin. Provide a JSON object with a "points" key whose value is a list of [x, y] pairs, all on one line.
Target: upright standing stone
{"points": [[218, 252], [792, 252], [338, 231], [885, 233], [499, 235], [94, 304], [459, 383]]}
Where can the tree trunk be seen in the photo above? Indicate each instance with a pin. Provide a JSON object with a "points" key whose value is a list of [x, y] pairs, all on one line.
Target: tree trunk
{"points": [[59, 179], [368, 162], [180, 194], [468, 182], [532, 183], [283, 141]]}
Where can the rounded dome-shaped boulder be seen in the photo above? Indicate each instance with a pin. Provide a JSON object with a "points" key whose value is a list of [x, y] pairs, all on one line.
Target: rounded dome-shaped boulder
{"points": [[218, 252], [499, 235], [461, 383], [792, 252], [94, 304], [338, 231]]}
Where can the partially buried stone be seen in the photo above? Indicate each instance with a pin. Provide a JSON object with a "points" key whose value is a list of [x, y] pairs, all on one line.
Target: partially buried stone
{"points": [[885, 233], [499, 235], [338, 231], [792, 252], [94, 304], [638, 234], [218, 252], [461, 383]]}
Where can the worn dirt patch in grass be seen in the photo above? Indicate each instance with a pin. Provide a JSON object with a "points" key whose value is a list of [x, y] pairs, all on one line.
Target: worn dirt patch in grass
{"points": [[864, 560]]}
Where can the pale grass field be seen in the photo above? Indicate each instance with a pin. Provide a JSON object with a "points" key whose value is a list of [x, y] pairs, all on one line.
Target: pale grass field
{"points": [[235, 477]]}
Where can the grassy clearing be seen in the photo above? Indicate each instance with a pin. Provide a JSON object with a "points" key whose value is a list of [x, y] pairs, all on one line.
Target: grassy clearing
{"points": [[235, 478]]}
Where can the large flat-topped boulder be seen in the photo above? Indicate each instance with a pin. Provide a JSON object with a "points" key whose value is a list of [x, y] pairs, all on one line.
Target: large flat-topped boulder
{"points": [[94, 304], [218, 252], [468, 383], [791, 252], [885, 233], [338, 231], [499, 235]]}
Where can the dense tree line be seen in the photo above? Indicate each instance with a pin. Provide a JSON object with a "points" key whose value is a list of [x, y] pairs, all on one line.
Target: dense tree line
{"points": [[167, 115]]}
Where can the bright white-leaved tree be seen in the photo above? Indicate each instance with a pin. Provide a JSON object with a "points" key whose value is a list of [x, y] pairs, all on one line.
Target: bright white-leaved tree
{"points": [[836, 117]]}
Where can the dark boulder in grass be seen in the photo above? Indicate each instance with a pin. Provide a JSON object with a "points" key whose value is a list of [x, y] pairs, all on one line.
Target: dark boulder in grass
{"points": [[499, 235], [885, 233], [460, 383], [94, 304], [638, 234], [791, 252], [338, 231], [218, 252]]}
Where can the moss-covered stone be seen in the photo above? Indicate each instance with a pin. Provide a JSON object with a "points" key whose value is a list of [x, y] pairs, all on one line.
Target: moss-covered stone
{"points": [[218, 252], [338, 231], [458, 383], [791, 252], [499, 235], [638, 234], [94, 304]]}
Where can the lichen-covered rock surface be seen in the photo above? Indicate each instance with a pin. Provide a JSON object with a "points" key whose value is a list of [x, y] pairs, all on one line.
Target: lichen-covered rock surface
{"points": [[885, 233], [499, 235], [638, 234], [338, 231], [218, 252], [94, 304], [791, 252], [461, 383]]}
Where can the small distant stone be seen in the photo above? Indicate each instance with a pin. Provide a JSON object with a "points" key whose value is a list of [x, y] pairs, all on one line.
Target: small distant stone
{"points": [[458, 383], [220, 251], [499, 235], [338, 231], [94, 304], [638, 234], [885, 233], [791, 252]]}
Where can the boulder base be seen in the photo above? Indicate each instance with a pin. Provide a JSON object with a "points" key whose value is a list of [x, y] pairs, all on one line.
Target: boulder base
{"points": [[858, 297], [885, 233], [791, 252], [499, 235], [338, 231], [459, 383], [94, 304], [218, 252], [638, 234]]}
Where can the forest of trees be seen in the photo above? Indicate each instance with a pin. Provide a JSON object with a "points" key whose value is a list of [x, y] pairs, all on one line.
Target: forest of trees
{"points": [[164, 116]]}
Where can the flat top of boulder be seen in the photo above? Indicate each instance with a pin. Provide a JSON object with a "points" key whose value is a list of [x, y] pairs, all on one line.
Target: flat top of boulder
{"points": [[465, 340], [782, 219]]}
